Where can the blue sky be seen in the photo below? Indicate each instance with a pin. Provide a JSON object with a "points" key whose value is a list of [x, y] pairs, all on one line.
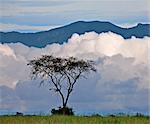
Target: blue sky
{"points": [[35, 15], [121, 83]]}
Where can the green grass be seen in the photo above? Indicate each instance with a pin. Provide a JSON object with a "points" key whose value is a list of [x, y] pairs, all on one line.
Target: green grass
{"points": [[73, 120]]}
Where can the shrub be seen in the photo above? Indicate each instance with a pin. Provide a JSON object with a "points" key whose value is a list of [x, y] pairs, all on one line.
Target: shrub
{"points": [[62, 111], [19, 114]]}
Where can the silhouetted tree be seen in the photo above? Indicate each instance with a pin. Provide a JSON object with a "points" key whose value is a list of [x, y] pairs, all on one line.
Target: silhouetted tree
{"points": [[62, 73]]}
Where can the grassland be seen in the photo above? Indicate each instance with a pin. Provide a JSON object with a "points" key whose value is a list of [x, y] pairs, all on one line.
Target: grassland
{"points": [[73, 120]]}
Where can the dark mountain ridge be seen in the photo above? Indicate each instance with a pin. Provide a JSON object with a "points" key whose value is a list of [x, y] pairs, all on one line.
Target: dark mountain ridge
{"points": [[62, 34]]}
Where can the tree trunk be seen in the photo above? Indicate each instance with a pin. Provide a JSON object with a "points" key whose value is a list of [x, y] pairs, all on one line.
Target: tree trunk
{"points": [[66, 101]]}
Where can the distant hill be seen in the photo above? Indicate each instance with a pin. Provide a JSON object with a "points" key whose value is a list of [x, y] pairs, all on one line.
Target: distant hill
{"points": [[61, 34]]}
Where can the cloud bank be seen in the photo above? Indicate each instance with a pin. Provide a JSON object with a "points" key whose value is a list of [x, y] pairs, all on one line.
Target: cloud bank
{"points": [[120, 84], [46, 7], [60, 12], [25, 28]]}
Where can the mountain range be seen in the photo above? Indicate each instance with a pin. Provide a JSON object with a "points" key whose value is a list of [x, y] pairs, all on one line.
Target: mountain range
{"points": [[62, 34]]}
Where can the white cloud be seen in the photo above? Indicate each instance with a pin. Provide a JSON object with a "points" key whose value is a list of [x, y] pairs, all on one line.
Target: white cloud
{"points": [[22, 7], [134, 54], [123, 69], [108, 44], [15, 27], [130, 25], [6, 51]]}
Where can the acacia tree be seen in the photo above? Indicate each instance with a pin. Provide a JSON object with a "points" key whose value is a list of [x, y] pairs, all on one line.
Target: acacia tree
{"points": [[62, 73]]}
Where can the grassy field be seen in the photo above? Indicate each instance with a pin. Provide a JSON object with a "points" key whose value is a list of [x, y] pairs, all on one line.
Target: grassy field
{"points": [[72, 120]]}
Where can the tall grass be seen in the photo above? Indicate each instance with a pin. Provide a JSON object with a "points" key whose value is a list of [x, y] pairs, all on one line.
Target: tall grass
{"points": [[73, 120]]}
